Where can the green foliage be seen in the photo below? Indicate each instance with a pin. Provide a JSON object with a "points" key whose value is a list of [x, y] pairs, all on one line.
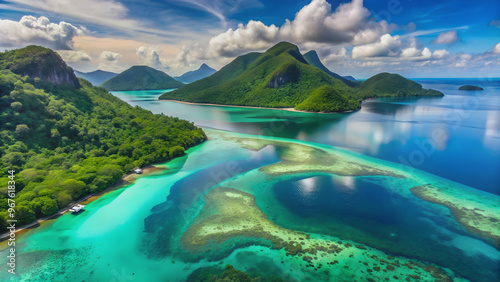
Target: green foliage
{"points": [[39, 62], [470, 88], [65, 142], [327, 99], [393, 85], [313, 59], [141, 78], [281, 77]]}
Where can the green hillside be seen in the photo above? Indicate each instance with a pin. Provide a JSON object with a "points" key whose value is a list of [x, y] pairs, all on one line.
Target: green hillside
{"points": [[39, 62], [280, 77], [141, 78], [313, 59], [327, 99], [393, 85], [68, 141]]}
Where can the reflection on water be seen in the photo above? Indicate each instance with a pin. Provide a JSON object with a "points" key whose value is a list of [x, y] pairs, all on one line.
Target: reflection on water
{"points": [[456, 136]]}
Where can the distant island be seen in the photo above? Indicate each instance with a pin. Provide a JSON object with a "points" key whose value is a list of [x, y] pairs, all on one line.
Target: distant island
{"points": [[348, 77], [96, 77], [66, 138], [284, 78], [192, 76], [141, 78], [470, 87]]}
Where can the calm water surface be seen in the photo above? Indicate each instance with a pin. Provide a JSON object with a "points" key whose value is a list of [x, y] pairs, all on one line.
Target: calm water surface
{"points": [[134, 232], [456, 136]]}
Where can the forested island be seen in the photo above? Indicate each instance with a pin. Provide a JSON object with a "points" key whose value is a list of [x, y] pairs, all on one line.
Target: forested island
{"points": [[66, 138], [141, 78], [470, 88], [284, 78]]}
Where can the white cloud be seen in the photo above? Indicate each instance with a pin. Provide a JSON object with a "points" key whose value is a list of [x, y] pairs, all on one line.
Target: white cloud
{"points": [[109, 56], [463, 60], [74, 56], [447, 37], [150, 57], [385, 47], [109, 13], [439, 54], [350, 23], [393, 48], [253, 36], [496, 49], [32, 30]]}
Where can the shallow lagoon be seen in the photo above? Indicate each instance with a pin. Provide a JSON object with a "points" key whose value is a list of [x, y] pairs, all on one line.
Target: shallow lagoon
{"points": [[135, 232]]}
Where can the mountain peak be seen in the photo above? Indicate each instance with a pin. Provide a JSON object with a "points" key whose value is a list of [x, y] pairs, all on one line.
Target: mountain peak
{"points": [[40, 62], [192, 76], [282, 47], [141, 78]]}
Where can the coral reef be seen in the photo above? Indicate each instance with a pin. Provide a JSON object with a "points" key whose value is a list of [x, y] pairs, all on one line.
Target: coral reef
{"points": [[230, 214]]}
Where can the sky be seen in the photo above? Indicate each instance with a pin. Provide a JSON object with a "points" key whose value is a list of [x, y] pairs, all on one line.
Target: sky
{"points": [[425, 38]]}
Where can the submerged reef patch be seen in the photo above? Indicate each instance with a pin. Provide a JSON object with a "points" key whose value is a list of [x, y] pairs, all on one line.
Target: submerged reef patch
{"points": [[297, 158], [477, 220], [230, 217]]}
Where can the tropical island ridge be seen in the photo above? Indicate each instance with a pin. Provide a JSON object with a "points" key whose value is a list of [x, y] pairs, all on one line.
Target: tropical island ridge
{"points": [[35, 79], [282, 66], [284, 74]]}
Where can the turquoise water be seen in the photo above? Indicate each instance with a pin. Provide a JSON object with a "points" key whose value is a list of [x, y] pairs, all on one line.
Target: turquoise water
{"points": [[398, 130], [133, 233]]}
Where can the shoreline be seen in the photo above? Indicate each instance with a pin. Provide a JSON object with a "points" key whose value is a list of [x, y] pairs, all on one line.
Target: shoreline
{"points": [[261, 108], [126, 179]]}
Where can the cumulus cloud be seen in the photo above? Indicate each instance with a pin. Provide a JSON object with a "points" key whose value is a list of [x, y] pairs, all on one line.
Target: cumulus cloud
{"points": [[439, 54], [109, 56], [253, 36], [349, 23], [40, 31], [150, 57], [447, 37], [392, 47], [386, 46], [496, 49], [74, 56], [463, 60]]}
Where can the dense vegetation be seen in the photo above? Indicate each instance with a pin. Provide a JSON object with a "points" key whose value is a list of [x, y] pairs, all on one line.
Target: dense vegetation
{"points": [[43, 63], [470, 87], [192, 76], [141, 78], [327, 99], [393, 85], [281, 77], [96, 77], [313, 59], [65, 142]]}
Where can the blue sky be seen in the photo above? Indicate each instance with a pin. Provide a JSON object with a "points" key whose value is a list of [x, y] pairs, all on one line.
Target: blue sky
{"points": [[360, 38]]}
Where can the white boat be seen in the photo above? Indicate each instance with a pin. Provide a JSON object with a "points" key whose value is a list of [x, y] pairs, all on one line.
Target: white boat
{"points": [[138, 170], [76, 209]]}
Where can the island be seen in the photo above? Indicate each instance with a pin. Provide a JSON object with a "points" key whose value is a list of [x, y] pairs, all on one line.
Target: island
{"points": [[470, 88], [192, 76], [141, 78], [96, 77], [65, 138], [282, 77]]}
